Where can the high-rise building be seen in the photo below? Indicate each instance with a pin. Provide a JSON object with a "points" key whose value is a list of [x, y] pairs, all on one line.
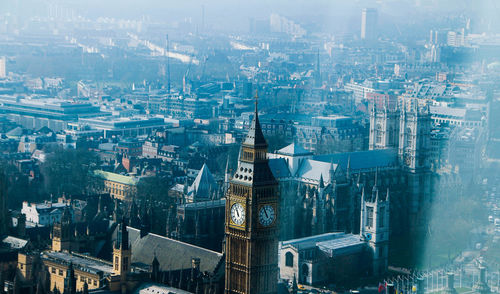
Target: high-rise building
{"points": [[368, 24], [3, 72], [252, 220]]}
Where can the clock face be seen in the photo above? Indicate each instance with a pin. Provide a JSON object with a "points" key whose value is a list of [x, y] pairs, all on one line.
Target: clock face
{"points": [[237, 214], [266, 215]]}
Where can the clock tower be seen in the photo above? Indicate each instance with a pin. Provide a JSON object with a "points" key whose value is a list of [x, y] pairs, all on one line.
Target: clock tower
{"points": [[251, 223]]}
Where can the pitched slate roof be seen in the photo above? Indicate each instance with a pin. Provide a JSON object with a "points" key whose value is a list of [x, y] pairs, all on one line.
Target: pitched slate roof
{"points": [[312, 170], [279, 168], [294, 150], [255, 137], [15, 132], [362, 160], [204, 183], [172, 254]]}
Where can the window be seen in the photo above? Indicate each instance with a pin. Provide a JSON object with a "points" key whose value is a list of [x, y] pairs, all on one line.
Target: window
{"points": [[381, 217], [53, 270], [60, 272], [289, 259], [125, 264], [95, 282], [408, 137], [391, 136], [369, 216], [379, 134], [116, 263]]}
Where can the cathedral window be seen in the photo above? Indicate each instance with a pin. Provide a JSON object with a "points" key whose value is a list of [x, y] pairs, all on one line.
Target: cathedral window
{"points": [[379, 134], [408, 137], [289, 259], [381, 217], [369, 217]]}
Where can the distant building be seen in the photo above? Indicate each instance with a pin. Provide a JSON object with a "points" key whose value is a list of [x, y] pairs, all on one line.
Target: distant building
{"points": [[360, 91], [329, 134], [117, 185], [200, 223], [3, 72], [53, 113], [368, 24], [45, 214], [129, 127], [340, 257]]}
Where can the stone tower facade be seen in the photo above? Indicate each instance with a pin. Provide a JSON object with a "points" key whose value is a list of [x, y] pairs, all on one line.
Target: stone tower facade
{"points": [[384, 127], [375, 227], [252, 206]]}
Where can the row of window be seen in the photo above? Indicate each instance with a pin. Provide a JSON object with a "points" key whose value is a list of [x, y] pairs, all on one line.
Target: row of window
{"points": [[82, 278]]}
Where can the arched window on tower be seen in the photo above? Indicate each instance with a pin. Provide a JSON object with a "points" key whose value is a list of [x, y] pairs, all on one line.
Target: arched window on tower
{"points": [[408, 137], [379, 134], [391, 136], [289, 259]]}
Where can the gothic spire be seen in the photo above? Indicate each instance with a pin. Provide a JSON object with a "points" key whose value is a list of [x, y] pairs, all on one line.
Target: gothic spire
{"points": [[122, 240], [332, 172], [321, 182], [348, 169], [375, 187], [255, 137], [70, 280]]}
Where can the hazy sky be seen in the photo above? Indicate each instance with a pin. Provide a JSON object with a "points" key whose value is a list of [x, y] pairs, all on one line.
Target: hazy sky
{"points": [[235, 13]]}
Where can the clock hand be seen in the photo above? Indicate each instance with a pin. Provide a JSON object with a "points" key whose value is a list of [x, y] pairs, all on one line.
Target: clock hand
{"points": [[265, 211], [237, 213]]}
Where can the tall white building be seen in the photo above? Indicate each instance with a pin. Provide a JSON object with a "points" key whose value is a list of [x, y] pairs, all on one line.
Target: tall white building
{"points": [[368, 24], [3, 72]]}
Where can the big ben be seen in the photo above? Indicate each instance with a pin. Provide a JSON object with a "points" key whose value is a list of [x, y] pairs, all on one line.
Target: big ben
{"points": [[251, 224]]}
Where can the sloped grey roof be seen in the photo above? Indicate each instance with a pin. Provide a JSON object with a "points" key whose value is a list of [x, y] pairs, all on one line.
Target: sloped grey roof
{"points": [[343, 244], [172, 254], [294, 150], [362, 160], [279, 168], [255, 137], [204, 183], [311, 241], [312, 170], [15, 132]]}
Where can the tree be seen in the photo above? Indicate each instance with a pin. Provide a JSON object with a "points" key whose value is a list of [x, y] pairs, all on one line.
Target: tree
{"points": [[69, 171], [153, 188]]}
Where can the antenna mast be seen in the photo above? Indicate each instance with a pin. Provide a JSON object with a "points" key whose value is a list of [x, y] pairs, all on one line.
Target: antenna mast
{"points": [[168, 66]]}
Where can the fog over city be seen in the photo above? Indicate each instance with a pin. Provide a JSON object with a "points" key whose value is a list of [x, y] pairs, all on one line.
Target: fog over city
{"points": [[284, 146]]}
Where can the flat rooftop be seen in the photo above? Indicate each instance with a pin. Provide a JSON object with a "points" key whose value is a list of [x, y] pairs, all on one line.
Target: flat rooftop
{"points": [[79, 261]]}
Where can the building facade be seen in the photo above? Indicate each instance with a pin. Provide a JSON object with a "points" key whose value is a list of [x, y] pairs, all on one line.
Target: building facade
{"points": [[252, 214]]}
